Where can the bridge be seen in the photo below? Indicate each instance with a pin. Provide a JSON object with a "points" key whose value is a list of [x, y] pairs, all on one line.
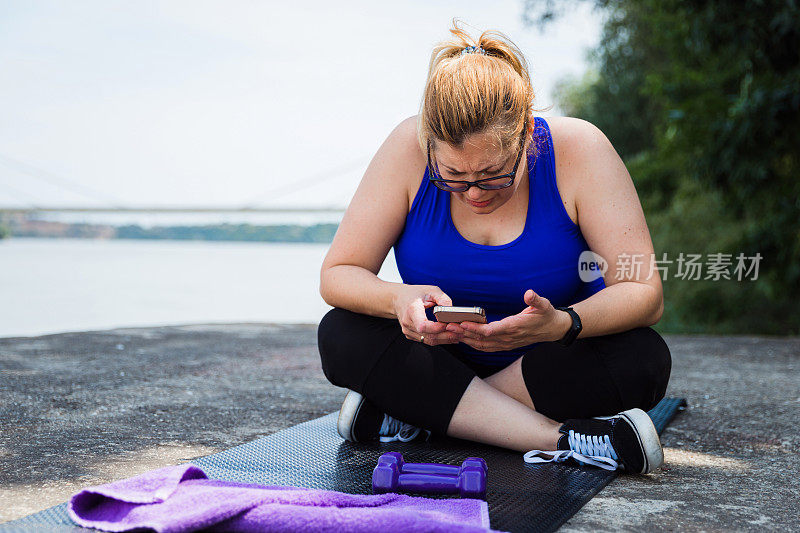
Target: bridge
{"points": [[112, 204], [168, 209]]}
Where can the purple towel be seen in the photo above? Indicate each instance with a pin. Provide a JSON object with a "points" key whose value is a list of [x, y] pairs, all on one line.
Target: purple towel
{"points": [[182, 498]]}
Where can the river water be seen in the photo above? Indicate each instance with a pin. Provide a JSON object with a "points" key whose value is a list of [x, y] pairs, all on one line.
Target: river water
{"points": [[57, 285]]}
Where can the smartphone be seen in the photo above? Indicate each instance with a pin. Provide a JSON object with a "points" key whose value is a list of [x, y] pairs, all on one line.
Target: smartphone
{"points": [[448, 313]]}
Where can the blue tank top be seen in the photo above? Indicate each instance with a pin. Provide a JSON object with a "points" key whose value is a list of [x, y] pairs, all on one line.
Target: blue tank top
{"points": [[431, 251]]}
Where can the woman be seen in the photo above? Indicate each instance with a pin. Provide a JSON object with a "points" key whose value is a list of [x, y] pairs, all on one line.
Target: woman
{"points": [[488, 206]]}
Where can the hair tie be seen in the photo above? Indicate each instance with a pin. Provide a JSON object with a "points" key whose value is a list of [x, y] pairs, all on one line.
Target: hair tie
{"points": [[473, 50]]}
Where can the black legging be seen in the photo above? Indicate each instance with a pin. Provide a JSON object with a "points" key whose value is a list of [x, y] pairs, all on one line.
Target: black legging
{"points": [[422, 384]]}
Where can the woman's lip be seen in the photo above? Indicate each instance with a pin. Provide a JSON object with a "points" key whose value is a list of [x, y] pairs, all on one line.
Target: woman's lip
{"points": [[479, 204]]}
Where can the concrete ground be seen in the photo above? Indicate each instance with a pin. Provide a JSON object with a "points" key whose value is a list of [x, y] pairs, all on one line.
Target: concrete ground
{"points": [[85, 408]]}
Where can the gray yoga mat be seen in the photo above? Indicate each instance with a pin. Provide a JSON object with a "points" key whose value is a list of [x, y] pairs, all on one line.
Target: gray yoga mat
{"points": [[521, 496]]}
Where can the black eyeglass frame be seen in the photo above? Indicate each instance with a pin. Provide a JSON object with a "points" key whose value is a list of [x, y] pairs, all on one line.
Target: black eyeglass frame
{"points": [[477, 183]]}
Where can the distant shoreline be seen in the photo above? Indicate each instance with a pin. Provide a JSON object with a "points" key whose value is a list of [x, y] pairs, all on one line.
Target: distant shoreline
{"points": [[32, 228]]}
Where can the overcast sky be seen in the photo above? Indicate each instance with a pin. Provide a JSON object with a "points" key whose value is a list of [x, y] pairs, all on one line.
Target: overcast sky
{"points": [[228, 103]]}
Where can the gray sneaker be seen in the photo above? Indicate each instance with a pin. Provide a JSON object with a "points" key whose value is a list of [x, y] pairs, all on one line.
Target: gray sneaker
{"points": [[361, 421]]}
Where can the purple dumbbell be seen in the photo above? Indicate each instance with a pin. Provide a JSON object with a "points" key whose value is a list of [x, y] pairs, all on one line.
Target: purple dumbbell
{"points": [[430, 468], [469, 483]]}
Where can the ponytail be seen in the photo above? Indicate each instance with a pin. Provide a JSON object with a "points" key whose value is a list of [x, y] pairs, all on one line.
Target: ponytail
{"points": [[476, 86]]}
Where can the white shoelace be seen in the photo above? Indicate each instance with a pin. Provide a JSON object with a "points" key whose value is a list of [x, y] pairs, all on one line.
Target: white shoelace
{"points": [[586, 449], [393, 430]]}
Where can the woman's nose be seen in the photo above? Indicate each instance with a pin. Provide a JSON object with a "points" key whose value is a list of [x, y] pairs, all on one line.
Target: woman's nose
{"points": [[474, 193]]}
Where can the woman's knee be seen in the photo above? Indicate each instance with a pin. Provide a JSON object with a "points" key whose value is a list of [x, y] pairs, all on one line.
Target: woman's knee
{"points": [[649, 368], [333, 321], [660, 368], [348, 343]]}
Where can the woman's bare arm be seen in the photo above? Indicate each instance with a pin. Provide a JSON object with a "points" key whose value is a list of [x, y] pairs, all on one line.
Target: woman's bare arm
{"points": [[370, 226], [612, 221]]}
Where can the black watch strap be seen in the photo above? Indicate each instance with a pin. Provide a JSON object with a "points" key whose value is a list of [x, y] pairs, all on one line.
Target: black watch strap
{"points": [[570, 336]]}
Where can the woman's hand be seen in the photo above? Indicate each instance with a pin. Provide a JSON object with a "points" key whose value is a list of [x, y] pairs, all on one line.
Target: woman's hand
{"points": [[539, 322], [409, 307]]}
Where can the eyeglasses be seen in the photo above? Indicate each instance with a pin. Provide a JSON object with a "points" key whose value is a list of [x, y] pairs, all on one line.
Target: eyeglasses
{"points": [[488, 184]]}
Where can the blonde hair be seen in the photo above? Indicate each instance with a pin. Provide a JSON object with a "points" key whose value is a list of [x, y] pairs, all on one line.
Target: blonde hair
{"points": [[469, 93]]}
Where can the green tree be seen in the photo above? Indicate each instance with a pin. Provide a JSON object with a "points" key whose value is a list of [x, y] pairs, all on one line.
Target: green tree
{"points": [[702, 100], [320, 233]]}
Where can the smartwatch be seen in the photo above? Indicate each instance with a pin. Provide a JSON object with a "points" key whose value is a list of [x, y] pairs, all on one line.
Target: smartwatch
{"points": [[574, 330]]}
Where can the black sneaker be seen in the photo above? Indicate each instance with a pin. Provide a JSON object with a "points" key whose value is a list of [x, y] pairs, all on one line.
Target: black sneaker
{"points": [[628, 440], [361, 421]]}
